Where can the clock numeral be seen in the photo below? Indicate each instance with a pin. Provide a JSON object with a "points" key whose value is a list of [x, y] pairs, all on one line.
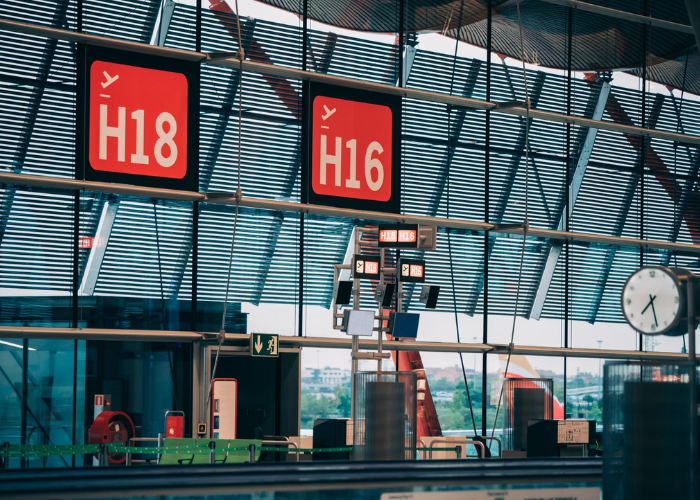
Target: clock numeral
{"points": [[629, 301], [652, 274], [675, 300], [653, 327]]}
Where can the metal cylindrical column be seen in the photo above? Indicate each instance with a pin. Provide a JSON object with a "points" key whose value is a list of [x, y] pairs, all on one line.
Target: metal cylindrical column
{"points": [[692, 383]]}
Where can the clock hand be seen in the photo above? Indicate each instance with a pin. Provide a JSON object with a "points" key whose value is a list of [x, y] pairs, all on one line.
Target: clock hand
{"points": [[653, 309], [650, 303]]}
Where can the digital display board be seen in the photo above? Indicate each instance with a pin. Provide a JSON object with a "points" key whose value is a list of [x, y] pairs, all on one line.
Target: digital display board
{"points": [[365, 266], [351, 148], [398, 235], [403, 325], [138, 119], [411, 270]]}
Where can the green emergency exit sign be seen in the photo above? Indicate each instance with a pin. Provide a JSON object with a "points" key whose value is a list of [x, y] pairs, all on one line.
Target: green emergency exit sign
{"points": [[264, 345]]}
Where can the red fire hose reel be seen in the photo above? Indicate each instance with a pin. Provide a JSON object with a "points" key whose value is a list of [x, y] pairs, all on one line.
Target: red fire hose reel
{"points": [[112, 427]]}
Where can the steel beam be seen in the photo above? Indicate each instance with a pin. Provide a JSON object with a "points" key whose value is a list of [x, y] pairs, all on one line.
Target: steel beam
{"points": [[99, 247], [165, 16], [504, 197], [149, 26], [627, 200], [567, 208], [621, 14], [243, 342], [280, 71], [289, 206]]}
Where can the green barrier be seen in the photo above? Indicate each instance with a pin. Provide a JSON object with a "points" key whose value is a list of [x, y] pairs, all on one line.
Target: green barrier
{"points": [[39, 451]]}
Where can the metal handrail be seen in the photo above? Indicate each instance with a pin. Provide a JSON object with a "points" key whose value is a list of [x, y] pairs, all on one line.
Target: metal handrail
{"points": [[283, 443], [498, 440], [133, 440], [443, 441], [476, 444]]}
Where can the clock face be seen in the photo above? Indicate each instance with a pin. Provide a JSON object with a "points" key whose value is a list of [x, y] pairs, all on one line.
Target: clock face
{"points": [[651, 300]]}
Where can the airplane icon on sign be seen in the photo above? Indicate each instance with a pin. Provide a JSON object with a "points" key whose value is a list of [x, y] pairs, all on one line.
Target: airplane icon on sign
{"points": [[329, 112], [110, 80]]}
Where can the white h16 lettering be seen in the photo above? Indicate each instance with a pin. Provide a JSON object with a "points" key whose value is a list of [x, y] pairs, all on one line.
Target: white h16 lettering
{"points": [[371, 164]]}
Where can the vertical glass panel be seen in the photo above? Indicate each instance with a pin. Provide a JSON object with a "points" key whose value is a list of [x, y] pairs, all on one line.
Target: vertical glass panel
{"points": [[43, 374], [263, 289], [36, 256], [522, 367], [143, 379], [325, 386], [135, 263], [50, 405], [584, 389], [446, 381], [12, 424], [507, 287], [598, 273]]}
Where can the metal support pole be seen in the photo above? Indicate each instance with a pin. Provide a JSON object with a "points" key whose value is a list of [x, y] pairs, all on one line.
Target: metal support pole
{"points": [[251, 453], [380, 337], [103, 456], [692, 383], [212, 455], [355, 338], [458, 452], [6, 455]]}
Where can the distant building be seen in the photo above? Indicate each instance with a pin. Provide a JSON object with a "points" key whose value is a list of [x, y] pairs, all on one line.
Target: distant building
{"points": [[443, 396], [323, 381]]}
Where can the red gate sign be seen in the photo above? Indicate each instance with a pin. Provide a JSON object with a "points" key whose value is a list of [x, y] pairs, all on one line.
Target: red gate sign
{"points": [[138, 120], [99, 400], [174, 426], [353, 149]]}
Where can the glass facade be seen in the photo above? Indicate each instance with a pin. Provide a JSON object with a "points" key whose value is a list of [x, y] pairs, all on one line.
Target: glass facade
{"points": [[104, 260]]}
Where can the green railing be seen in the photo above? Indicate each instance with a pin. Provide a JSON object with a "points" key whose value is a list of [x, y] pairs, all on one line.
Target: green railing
{"points": [[11, 451]]}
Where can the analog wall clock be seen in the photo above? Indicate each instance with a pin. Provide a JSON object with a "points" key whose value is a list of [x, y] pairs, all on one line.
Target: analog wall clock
{"points": [[653, 301]]}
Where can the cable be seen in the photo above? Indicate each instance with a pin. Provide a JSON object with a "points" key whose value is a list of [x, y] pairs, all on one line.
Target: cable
{"points": [[239, 194], [512, 332], [449, 241], [527, 114], [162, 301], [461, 356], [675, 152], [526, 224]]}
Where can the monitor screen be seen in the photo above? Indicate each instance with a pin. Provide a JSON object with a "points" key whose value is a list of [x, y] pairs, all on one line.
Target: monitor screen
{"points": [[404, 325], [357, 322], [343, 292]]}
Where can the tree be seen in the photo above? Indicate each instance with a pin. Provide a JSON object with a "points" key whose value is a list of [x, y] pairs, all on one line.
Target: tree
{"points": [[343, 399]]}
